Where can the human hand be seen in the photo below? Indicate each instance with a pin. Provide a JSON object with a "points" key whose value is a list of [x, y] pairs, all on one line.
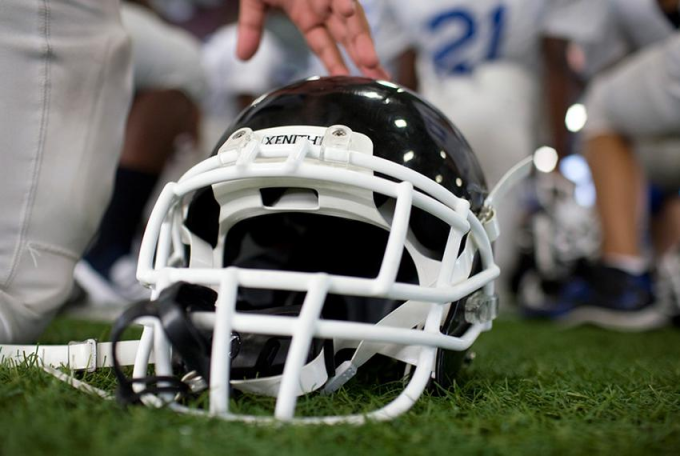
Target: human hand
{"points": [[324, 24]]}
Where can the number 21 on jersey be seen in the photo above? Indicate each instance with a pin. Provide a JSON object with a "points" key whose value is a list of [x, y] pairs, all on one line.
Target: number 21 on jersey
{"points": [[481, 31]]}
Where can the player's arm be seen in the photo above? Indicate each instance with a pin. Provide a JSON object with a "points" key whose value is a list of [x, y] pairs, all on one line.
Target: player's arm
{"points": [[324, 24]]}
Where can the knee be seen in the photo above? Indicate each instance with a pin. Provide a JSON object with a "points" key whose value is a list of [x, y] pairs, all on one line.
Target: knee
{"points": [[41, 283]]}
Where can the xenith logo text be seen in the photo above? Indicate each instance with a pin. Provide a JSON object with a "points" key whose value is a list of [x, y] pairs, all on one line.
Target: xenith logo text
{"points": [[291, 139]]}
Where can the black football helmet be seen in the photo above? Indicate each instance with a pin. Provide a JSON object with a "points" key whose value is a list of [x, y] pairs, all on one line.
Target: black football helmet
{"points": [[339, 221]]}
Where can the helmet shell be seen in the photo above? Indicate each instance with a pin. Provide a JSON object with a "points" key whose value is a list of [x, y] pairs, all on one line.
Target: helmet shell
{"points": [[403, 127]]}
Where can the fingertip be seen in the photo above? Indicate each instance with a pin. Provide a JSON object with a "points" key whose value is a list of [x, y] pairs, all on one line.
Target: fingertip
{"points": [[346, 8], [245, 48], [250, 24], [366, 51], [383, 74], [376, 73], [338, 71]]}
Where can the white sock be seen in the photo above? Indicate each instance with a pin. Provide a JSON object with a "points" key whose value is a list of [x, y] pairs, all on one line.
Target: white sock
{"points": [[631, 264]]}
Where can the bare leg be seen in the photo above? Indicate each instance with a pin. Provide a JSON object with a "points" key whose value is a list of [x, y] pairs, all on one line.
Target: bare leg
{"points": [[619, 183], [156, 119]]}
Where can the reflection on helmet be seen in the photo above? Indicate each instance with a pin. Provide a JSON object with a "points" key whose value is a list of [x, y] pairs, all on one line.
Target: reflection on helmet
{"points": [[339, 223]]}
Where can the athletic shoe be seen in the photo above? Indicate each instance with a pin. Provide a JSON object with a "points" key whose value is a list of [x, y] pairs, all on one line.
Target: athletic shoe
{"points": [[118, 289], [606, 297]]}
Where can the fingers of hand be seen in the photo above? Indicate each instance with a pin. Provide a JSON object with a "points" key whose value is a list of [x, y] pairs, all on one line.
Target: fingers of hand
{"points": [[250, 24], [324, 8], [346, 8], [324, 46], [354, 34]]}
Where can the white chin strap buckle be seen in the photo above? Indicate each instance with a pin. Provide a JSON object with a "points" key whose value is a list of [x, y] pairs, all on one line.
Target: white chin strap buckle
{"points": [[83, 355]]}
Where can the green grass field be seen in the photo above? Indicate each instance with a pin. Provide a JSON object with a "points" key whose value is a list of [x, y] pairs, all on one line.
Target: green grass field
{"points": [[532, 389]]}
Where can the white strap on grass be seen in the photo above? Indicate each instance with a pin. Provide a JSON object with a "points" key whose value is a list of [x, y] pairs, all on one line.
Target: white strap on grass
{"points": [[77, 384], [86, 355]]}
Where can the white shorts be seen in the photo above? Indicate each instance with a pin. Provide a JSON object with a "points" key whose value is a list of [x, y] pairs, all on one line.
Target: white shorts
{"points": [[64, 94], [163, 56], [640, 97]]}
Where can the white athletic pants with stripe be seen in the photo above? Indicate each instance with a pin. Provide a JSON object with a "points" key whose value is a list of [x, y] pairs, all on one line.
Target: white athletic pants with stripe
{"points": [[65, 88]]}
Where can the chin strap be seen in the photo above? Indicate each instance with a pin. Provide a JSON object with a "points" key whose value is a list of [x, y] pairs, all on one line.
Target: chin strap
{"points": [[313, 376], [408, 315], [510, 179], [87, 355]]}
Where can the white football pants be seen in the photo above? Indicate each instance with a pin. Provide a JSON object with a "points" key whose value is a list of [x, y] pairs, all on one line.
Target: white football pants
{"points": [[65, 89]]}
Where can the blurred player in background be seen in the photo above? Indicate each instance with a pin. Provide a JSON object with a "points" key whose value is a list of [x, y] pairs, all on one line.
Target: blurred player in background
{"points": [[616, 291], [169, 85], [635, 100]]}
